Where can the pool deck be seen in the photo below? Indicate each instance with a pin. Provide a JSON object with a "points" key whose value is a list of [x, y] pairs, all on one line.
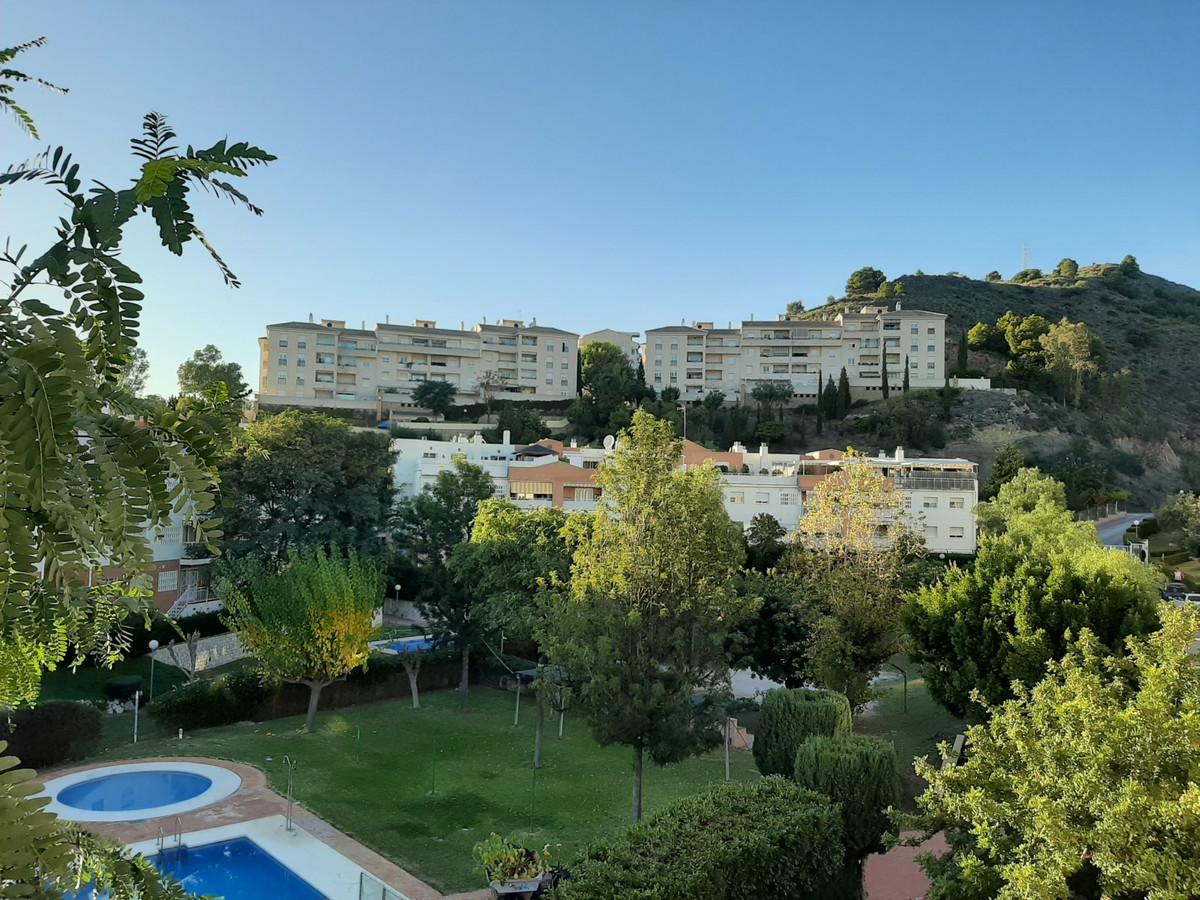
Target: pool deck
{"points": [[255, 801]]}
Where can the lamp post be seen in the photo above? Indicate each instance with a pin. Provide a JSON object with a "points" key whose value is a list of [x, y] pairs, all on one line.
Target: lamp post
{"points": [[153, 646]]}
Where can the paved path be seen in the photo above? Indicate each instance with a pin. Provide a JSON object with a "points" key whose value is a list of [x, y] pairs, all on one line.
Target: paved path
{"points": [[1112, 530]]}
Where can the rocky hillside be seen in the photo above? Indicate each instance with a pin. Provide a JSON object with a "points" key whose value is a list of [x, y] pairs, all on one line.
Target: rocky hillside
{"points": [[1144, 430]]}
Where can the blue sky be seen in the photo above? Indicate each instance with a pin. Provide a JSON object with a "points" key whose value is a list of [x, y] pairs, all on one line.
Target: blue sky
{"points": [[625, 165]]}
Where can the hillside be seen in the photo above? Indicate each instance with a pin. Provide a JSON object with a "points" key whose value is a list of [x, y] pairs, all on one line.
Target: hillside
{"points": [[1144, 430]]}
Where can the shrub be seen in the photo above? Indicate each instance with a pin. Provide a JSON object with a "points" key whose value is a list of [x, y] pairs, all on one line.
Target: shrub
{"points": [[123, 687], [789, 717], [859, 773], [51, 733], [210, 702], [767, 838]]}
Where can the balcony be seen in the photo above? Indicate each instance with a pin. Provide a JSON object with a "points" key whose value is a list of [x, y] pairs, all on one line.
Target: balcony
{"points": [[935, 483]]}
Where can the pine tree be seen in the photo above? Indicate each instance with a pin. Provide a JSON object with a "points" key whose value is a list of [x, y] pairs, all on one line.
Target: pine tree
{"points": [[904, 385], [883, 375], [843, 393]]}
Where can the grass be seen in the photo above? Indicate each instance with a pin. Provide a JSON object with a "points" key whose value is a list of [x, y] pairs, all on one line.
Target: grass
{"points": [[87, 682], [423, 786], [915, 733], [394, 632]]}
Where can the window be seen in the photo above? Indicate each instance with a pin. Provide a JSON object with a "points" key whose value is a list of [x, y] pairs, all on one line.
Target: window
{"points": [[956, 531], [912, 348], [549, 379], [929, 502], [301, 362], [300, 380], [957, 503], [737, 497], [301, 345], [674, 345], [674, 377], [658, 377], [913, 329], [325, 340], [913, 365], [283, 360], [387, 359], [929, 365], [564, 346], [282, 379], [549, 364], [762, 498], [931, 330], [324, 359], [930, 348], [283, 342], [550, 346], [366, 364], [168, 581], [658, 364], [531, 490], [658, 346], [563, 381], [674, 362], [787, 499], [930, 531]]}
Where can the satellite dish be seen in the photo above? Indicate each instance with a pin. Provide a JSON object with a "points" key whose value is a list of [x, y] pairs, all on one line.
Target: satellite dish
{"points": [[609, 441]]}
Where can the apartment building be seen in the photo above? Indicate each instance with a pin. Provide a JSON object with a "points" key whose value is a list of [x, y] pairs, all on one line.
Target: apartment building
{"points": [[178, 576], [627, 341], [940, 494], [801, 353], [326, 364], [694, 359]]}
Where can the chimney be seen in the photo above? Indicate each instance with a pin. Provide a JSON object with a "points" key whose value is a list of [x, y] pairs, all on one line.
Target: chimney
{"points": [[574, 443], [533, 321], [762, 450], [387, 318], [362, 324], [899, 453], [310, 318], [751, 317], [507, 437], [462, 324], [897, 306]]}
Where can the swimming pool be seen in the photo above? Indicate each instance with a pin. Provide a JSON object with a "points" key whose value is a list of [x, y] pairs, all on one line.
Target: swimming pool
{"points": [[129, 791], [144, 790], [236, 870]]}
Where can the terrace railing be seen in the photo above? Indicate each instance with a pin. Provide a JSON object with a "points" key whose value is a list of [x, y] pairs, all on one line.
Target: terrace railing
{"points": [[371, 888]]}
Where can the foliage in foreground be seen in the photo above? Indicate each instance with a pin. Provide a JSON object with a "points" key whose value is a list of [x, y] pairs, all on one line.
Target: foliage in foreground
{"points": [[1046, 577], [767, 838], [1084, 786], [51, 733], [789, 718]]}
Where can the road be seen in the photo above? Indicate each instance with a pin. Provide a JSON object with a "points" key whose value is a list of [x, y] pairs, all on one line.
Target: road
{"points": [[1112, 532]]}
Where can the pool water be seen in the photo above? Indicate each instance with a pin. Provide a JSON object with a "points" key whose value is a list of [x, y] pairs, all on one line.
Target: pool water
{"points": [[233, 870], [411, 645], [134, 790], [236, 870]]}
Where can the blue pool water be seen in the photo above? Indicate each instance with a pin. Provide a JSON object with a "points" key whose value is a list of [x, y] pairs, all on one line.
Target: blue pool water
{"points": [[134, 790], [411, 645], [234, 870]]}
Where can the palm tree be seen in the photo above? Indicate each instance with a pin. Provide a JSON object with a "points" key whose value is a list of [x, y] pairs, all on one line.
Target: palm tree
{"points": [[8, 76]]}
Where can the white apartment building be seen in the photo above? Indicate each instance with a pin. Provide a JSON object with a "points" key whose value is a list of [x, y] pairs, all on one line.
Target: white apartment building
{"points": [[627, 341], [700, 359], [695, 359], [326, 364], [940, 494]]}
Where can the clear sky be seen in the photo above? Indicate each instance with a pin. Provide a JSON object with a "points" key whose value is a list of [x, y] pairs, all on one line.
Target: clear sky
{"points": [[621, 164]]}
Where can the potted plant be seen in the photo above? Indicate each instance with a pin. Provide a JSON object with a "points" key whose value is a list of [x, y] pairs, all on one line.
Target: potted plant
{"points": [[514, 870]]}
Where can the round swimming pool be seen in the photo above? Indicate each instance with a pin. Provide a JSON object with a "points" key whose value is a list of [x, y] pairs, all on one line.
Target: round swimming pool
{"points": [[129, 791], [144, 790]]}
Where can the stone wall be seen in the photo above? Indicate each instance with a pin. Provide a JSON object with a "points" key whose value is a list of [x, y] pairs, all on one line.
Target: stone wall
{"points": [[210, 652]]}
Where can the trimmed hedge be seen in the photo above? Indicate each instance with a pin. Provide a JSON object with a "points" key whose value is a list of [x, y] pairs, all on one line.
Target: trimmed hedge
{"points": [[51, 733], [859, 773], [789, 717], [209, 702], [767, 838]]}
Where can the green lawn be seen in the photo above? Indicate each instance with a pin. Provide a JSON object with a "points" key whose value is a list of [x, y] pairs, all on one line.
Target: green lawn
{"points": [[916, 732], [87, 682], [422, 786]]}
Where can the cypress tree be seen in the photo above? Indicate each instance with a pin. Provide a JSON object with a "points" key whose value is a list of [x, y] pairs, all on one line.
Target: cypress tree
{"points": [[962, 352], [905, 385], [883, 375], [789, 718], [843, 393], [829, 399]]}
